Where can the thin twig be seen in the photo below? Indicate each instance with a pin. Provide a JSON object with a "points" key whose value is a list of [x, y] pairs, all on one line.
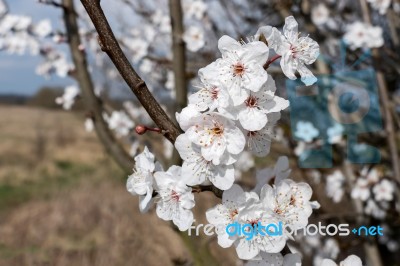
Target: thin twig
{"points": [[86, 84], [110, 45]]}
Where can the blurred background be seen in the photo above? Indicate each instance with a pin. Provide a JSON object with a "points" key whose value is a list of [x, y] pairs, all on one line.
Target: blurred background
{"points": [[63, 199]]}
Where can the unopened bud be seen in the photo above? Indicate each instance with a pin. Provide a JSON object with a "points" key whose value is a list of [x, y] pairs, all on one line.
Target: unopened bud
{"points": [[140, 129]]}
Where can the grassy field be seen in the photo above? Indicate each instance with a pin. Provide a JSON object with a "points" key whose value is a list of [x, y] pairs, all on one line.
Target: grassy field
{"points": [[63, 201]]}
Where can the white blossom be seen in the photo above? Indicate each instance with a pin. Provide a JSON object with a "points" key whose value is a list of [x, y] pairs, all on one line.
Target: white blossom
{"points": [[194, 8], [384, 190], [141, 181], [276, 259], [69, 97], [351, 260], [335, 133], [211, 96], [137, 46], [289, 202], [380, 5], [252, 112], [240, 69], [254, 213], [373, 209], [120, 122], [198, 170], [362, 35], [334, 186], [194, 38], [296, 52], [319, 14], [259, 142], [218, 137], [233, 200], [89, 125], [43, 28], [176, 199]]}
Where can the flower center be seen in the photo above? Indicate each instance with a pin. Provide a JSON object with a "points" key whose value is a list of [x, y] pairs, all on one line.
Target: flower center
{"points": [[218, 130], [214, 93], [238, 69], [233, 214], [251, 133], [174, 196], [251, 102]]}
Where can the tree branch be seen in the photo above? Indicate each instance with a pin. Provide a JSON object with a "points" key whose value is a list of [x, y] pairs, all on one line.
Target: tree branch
{"points": [[179, 56], [86, 84], [109, 45]]}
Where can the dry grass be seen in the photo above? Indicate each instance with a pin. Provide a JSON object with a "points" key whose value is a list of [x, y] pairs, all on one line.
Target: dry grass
{"points": [[63, 202]]}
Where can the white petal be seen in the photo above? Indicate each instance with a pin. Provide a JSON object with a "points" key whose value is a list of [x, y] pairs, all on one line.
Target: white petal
{"points": [[290, 29], [252, 119]]}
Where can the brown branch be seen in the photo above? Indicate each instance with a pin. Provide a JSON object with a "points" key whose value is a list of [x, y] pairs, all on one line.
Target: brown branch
{"points": [[178, 50], [86, 84], [109, 45]]}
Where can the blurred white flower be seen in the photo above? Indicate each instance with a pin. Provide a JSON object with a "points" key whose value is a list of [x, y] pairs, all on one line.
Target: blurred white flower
{"points": [[194, 38], [243, 164], [361, 189], [380, 5], [335, 133], [43, 28], [69, 97], [120, 123], [176, 199], [351, 260], [384, 190], [137, 46], [280, 172], [371, 208], [276, 259], [146, 66], [194, 9], [362, 35], [306, 131], [334, 186], [89, 125], [319, 14], [162, 21], [170, 82]]}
